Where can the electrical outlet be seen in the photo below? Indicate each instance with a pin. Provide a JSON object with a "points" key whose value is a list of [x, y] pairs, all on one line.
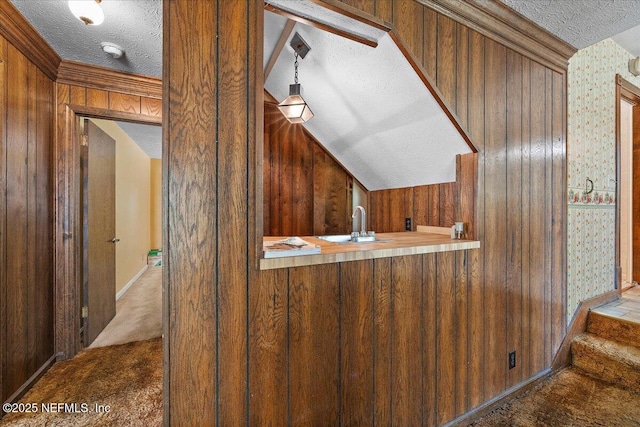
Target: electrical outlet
{"points": [[407, 224], [512, 359]]}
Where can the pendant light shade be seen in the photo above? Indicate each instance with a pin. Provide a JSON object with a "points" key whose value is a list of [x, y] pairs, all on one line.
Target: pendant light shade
{"points": [[88, 11], [294, 108]]}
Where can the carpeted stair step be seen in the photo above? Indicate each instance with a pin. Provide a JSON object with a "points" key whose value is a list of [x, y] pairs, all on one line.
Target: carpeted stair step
{"points": [[607, 360], [614, 328]]}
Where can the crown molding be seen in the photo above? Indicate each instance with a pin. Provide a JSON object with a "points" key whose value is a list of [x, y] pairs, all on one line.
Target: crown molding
{"points": [[21, 34], [507, 27], [92, 76]]}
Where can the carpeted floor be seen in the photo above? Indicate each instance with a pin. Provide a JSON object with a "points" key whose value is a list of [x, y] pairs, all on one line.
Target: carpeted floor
{"points": [[569, 398], [138, 312], [125, 378]]}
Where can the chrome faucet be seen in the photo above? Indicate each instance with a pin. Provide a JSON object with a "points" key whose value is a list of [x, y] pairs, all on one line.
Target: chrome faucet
{"points": [[363, 216]]}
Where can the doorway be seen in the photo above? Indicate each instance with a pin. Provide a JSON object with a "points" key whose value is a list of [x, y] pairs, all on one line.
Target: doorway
{"points": [[628, 188], [124, 305]]}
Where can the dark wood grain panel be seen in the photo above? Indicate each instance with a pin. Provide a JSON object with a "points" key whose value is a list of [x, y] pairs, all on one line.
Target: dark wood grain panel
{"points": [[314, 314], [407, 345], [97, 98], [466, 190], [430, 339], [124, 102], [446, 336], [303, 194], [357, 350], [382, 318], [537, 211], [32, 239], [17, 223], [447, 206], [3, 214], [332, 204], [151, 106], [233, 209], [268, 332], [462, 73], [397, 208], [514, 219], [44, 231], [191, 234]]}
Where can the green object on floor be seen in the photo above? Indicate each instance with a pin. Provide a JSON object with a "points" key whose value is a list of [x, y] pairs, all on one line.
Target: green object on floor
{"points": [[155, 252]]}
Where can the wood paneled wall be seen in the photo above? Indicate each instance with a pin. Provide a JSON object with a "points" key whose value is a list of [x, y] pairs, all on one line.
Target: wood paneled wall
{"points": [[306, 192], [514, 109], [403, 341], [26, 209], [438, 205]]}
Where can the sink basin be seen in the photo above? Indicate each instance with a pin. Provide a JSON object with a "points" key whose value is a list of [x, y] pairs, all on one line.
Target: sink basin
{"points": [[338, 238], [346, 238]]}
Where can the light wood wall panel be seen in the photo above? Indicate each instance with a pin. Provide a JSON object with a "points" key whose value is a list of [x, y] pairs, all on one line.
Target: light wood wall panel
{"points": [[26, 259]]}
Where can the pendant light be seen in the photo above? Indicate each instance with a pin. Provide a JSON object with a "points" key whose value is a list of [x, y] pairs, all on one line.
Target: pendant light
{"points": [[88, 11], [294, 107]]}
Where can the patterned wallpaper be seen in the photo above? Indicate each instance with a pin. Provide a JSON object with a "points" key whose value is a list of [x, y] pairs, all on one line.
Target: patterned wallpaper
{"points": [[591, 154]]}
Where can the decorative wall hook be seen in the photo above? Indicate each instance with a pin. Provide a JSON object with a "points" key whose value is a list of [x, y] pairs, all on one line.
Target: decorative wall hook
{"points": [[588, 186]]}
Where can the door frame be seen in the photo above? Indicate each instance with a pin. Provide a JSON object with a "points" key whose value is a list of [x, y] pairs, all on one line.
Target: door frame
{"points": [[68, 221], [628, 91]]}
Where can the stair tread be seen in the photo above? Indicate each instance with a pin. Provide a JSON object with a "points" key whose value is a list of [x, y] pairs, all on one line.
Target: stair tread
{"points": [[628, 352], [613, 328]]}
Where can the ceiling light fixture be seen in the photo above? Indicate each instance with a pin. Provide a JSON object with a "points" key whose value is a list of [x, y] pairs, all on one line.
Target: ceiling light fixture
{"points": [[88, 11], [294, 107], [112, 49]]}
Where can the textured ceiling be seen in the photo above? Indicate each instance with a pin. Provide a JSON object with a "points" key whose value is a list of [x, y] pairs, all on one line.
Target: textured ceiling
{"points": [[372, 111], [135, 25], [582, 23]]}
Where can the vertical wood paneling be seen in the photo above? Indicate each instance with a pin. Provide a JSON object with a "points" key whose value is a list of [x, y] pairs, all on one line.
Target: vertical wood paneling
{"points": [[384, 10], [495, 203], [357, 343], [447, 206], [446, 337], [548, 214], [190, 155], [537, 211], [559, 184], [382, 341], [232, 212], [3, 214], [32, 287], [314, 314], [476, 280], [406, 348], [525, 356], [268, 334], [397, 210], [44, 231], [447, 60], [408, 20], [514, 207], [430, 43], [429, 339], [17, 343], [462, 332]]}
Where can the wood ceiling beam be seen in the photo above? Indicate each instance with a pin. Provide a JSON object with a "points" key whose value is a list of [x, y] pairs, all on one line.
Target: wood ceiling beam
{"points": [[284, 36]]}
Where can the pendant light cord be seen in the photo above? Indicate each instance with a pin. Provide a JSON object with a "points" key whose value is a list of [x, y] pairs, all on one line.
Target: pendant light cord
{"points": [[295, 64]]}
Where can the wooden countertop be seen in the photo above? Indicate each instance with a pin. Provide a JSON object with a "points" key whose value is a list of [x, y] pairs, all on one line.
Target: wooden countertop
{"points": [[393, 244]]}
